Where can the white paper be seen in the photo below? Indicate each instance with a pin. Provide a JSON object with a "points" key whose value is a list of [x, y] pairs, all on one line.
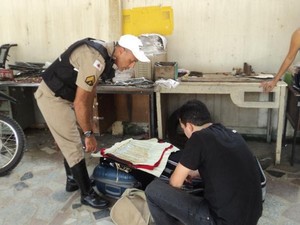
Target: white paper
{"points": [[142, 152]]}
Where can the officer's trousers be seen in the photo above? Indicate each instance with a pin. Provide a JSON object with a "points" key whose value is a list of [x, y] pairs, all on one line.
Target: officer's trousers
{"points": [[61, 120]]}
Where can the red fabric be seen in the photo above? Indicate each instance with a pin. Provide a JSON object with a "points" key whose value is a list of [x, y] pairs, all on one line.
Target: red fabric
{"points": [[136, 166]]}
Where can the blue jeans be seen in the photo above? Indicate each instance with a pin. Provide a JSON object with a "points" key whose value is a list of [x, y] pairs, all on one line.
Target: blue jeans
{"points": [[169, 205]]}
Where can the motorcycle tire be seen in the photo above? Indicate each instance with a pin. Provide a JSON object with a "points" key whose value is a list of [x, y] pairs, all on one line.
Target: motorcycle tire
{"points": [[12, 144]]}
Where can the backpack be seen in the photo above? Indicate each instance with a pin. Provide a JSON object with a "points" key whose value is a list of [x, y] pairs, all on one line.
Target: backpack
{"points": [[131, 208]]}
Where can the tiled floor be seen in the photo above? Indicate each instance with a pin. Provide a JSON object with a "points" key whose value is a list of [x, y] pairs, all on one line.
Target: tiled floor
{"points": [[34, 192]]}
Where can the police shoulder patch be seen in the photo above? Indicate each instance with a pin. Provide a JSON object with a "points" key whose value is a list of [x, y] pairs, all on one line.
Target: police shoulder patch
{"points": [[90, 80]]}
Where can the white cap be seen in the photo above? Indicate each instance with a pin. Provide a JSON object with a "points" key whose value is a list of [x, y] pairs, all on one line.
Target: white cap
{"points": [[134, 44]]}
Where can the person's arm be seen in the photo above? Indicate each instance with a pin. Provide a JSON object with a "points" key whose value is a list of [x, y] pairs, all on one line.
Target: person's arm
{"points": [[179, 175], [83, 106], [293, 50]]}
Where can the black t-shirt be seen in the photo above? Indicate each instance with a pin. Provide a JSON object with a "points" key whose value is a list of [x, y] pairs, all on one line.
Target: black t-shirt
{"points": [[230, 174]]}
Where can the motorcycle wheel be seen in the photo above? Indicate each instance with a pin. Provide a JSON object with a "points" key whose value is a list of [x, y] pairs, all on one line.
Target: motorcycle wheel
{"points": [[12, 144]]}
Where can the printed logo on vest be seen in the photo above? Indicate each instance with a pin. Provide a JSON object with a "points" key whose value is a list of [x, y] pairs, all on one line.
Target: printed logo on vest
{"points": [[90, 80]]}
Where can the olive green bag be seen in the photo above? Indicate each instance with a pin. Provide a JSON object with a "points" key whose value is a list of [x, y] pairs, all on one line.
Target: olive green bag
{"points": [[131, 208]]}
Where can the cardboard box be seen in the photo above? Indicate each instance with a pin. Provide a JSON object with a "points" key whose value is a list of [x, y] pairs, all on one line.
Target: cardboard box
{"points": [[165, 70], [143, 69]]}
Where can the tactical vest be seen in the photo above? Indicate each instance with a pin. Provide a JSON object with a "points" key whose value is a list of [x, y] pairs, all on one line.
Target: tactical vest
{"points": [[61, 75]]}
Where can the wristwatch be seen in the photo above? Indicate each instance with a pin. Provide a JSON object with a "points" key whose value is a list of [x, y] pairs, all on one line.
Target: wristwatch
{"points": [[88, 133]]}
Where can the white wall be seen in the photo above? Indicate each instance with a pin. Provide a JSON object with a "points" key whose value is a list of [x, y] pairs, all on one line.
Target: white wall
{"points": [[216, 35], [44, 28], [208, 36]]}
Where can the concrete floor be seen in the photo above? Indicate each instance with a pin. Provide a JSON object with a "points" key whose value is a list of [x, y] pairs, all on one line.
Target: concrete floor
{"points": [[34, 192]]}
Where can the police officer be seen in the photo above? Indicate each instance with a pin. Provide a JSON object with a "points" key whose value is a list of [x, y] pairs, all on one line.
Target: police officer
{"points": [[65, 98]]}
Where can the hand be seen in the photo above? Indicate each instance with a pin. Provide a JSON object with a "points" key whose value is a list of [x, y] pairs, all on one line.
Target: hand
{"points": [[268, 85], [90, 144], [192, 174]]}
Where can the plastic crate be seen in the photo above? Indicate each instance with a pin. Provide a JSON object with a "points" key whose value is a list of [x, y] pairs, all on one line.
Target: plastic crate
{"points": [[153, 19]]}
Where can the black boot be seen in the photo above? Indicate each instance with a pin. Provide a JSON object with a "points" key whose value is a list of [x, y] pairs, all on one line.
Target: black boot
{"points": [[88, 194], [71, 184]]}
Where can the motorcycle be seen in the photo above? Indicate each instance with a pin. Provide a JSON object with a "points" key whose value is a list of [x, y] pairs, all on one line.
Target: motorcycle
{"points": [[12, 140]]}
